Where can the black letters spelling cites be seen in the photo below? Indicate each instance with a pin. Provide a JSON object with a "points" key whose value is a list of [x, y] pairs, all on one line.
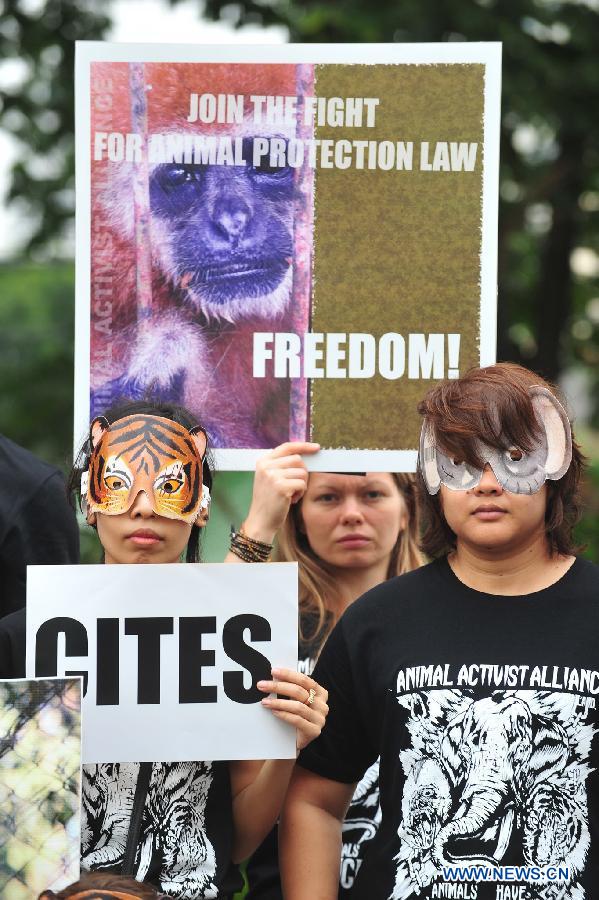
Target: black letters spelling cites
{"points": [[194, 659]]}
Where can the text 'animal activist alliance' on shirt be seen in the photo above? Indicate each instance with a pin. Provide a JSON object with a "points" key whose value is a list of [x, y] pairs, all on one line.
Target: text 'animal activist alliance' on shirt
{"points": [[483, 710]]}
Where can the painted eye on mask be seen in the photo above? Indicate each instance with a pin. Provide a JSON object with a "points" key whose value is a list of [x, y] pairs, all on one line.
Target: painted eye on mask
{"points": [[117, 482], [170, 483], [518, 462], [455, 473], [169, 486], [515, 459], [517, 471]]}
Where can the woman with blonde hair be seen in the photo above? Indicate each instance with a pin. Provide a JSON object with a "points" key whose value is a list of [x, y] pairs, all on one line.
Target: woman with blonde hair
{"points": [[327, 583], [349, 533]]}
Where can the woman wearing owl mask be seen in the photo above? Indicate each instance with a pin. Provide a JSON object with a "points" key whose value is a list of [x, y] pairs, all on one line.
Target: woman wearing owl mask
{"points": [[474, 677]]}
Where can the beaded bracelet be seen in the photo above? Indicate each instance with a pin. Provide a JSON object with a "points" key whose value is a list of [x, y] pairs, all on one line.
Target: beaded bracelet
{"points": [[249, 549]]}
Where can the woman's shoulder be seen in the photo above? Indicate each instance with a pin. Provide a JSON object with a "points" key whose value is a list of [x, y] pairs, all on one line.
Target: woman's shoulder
{"points": [[587, 566], [584, 574]]}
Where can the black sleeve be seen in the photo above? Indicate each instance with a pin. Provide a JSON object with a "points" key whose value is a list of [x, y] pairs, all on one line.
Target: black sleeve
{"points": [[5, 653], [343, 751], [49, 526], [43, 530]]}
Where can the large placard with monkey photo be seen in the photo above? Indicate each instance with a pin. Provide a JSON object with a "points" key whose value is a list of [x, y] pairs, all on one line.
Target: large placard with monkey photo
{"points": [[293, 242]]}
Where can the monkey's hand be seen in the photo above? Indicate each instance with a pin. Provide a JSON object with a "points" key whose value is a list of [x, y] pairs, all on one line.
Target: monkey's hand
{"points": [[280, 480], [174, 340]]}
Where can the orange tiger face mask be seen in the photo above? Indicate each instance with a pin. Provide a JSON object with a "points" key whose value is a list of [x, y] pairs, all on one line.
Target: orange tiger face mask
{"points": [[144, 453]]}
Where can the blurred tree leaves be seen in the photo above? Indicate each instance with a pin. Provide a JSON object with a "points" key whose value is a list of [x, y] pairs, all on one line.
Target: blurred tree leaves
{"points": [[587, 530], [38, 110], [36, 358]]}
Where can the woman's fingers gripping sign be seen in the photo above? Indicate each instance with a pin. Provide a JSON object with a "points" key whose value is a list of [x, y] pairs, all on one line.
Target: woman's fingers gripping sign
{"points": [[302, 702]]}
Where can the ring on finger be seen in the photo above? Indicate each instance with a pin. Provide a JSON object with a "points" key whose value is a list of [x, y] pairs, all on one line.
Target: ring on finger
{"points": [[311, 696]]}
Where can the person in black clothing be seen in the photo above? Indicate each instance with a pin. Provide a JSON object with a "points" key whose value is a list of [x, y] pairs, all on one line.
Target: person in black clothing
{"points": [[37, 524], [181, 826], [12, 645], [475, 678]]}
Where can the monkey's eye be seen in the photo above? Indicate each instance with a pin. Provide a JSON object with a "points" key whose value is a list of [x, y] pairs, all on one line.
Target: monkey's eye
{"points": [[278, 173], [268, 167], [173, 177]]}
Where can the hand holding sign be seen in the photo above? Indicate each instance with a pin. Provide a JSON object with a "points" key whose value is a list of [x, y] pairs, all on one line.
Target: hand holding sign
{"points": [[281, 479], [307, 709]]}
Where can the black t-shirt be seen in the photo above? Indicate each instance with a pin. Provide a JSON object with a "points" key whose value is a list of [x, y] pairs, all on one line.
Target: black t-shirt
{"points": [[483, 711], [37, 524], [359, 827]]}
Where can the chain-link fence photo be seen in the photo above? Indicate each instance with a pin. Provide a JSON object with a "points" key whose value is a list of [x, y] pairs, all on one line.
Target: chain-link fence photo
{"points": [[40, 781]]}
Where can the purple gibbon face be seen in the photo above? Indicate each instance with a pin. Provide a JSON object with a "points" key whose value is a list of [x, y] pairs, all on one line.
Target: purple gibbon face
{"points": [[225, 233]]}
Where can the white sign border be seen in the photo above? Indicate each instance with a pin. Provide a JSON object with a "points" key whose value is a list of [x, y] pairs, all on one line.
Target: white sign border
{"points": [[137, 726]]}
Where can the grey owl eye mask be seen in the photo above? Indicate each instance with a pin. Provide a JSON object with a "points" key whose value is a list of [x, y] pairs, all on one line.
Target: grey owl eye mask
{"points": [[516, 471]]}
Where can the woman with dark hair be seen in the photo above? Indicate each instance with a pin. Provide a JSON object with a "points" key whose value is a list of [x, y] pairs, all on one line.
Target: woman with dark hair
{"points": [[165, 410], [474, 678], [493, 406], [348, 533], [141, 477]]}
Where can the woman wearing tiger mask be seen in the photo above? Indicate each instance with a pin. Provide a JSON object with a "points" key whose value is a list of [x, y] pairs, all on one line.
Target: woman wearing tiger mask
{"points": [[143, 474]]}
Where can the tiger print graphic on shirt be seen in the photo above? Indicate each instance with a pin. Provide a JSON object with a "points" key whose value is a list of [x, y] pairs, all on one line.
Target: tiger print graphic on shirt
{"points": [[107, 804], [554, 823], [173, 844]]}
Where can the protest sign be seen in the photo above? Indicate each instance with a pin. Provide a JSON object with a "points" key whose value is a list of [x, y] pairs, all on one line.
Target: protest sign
{"points": [[40, 785], [294, 242], [169, 655]]}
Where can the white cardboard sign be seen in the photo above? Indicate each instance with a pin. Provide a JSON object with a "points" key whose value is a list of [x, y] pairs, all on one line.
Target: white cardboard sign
{"points": [[169, 654]]}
